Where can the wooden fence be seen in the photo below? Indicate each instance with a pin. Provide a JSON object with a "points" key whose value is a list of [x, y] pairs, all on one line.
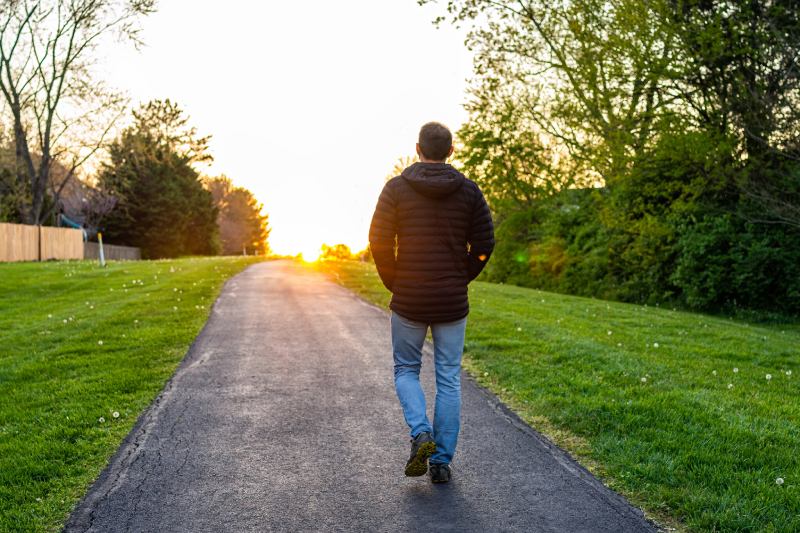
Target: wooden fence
{"points": [[19, 242], [91, 250]]}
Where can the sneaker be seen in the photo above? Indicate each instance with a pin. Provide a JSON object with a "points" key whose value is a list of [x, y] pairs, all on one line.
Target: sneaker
{"points": [[422, 447], [440, 473]]}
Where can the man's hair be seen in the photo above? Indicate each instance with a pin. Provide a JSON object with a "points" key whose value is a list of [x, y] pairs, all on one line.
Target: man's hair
{"points": [[435, 141]]}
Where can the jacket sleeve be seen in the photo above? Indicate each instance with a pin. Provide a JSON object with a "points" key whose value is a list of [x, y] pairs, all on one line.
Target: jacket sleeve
{"points": [[382, 233], [480, 237]]}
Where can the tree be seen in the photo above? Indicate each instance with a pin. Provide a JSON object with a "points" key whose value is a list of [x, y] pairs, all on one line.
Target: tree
{"points": [[58, 110], [162, 205], [741, 76], [242, 227], [336, 252], [586, 77]]}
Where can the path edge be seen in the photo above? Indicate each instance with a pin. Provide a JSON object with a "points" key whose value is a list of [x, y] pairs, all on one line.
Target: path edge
{"points": [[81, 516]]}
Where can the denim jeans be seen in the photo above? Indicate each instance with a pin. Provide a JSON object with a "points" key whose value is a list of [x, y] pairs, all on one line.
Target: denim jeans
{"points": [[408, 338]]}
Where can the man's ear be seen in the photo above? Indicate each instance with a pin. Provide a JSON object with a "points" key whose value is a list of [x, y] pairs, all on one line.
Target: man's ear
{"points": [[419, 152], [450, 152]]}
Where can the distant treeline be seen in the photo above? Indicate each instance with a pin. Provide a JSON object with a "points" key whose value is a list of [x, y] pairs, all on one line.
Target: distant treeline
{"points": [[148, 193], [641, 151]]}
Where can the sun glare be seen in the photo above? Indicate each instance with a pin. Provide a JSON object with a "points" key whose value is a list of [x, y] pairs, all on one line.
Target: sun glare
{"points": [[311, 253]]}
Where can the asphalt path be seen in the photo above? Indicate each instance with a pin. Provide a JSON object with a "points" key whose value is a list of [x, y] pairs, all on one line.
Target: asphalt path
{"points": [[283, 417]]}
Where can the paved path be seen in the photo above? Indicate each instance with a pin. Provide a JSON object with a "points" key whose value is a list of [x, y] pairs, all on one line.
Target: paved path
{"points": [[283, 417]]}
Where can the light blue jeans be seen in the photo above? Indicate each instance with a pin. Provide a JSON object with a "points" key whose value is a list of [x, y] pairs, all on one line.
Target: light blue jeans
{"points": [[408, 337]]}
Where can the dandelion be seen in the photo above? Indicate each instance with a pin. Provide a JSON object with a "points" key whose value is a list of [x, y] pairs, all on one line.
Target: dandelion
{"points": [[735, 370], [730, 385], [100, 343], [655, 345], [619, 344], [91, 307], [769, 377], [644, 379], [49, 316], [485, 374], [779, 481], [115, 414], [714, 372], [175, 289], [609, 332], [65, 321], [788, 372], [174, 308], [101, 419], [519, 329]]}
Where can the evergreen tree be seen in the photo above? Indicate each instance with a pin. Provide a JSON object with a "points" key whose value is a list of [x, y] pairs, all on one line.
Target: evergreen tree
{"points": [[162, 206]]}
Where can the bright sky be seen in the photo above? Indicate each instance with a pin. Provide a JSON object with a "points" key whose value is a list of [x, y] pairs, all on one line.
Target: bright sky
{"points": [[309, 104]]}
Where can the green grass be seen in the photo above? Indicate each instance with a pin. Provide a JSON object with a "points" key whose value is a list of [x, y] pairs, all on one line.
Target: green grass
{"points": [[646, 398], [78, 344]]}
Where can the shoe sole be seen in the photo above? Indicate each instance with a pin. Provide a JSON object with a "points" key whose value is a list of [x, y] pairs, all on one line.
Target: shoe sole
{"points": [[419, 465]]}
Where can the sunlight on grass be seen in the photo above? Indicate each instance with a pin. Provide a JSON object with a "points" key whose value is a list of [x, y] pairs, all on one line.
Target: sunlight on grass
{"points": [[693, 417]]}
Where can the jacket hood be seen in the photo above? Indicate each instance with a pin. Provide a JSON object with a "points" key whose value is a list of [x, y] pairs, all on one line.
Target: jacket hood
{"points": [[434, 180]]}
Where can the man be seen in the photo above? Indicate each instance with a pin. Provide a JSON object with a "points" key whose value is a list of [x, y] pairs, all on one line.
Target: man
{"points": [[431, 235]]}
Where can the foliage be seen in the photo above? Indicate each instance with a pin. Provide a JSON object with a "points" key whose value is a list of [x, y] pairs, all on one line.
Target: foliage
{"points": [[726, 260], [80, 343], [242, 227], [682, 117], [335, 251], [690, 416], [162, 206]]}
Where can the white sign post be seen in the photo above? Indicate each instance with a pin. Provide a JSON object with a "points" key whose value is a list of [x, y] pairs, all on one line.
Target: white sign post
{"points": [[102, 255]]}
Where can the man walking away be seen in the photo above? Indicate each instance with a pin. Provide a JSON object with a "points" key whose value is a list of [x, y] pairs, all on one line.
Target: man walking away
{"points": [[431, 235]]}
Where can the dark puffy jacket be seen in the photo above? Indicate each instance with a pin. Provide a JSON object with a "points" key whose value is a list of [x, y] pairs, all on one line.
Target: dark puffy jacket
{"points": [[444, 236]]}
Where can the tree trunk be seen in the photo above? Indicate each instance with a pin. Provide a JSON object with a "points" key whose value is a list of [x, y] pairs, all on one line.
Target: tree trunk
{"points": [[25, 171]]}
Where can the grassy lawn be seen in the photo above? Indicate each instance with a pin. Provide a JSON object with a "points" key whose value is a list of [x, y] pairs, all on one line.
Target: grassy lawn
{"points": [[83, 350], [694, 418]]}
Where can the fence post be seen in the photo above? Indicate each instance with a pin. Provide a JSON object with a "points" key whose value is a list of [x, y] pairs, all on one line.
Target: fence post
{"points": [[39, 241]]}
